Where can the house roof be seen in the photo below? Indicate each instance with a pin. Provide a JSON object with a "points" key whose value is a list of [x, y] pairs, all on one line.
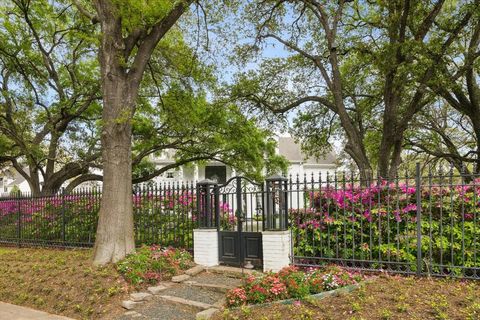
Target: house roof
{"points": [[287, 147], [292, 151], [17, 179], [13, 175]]}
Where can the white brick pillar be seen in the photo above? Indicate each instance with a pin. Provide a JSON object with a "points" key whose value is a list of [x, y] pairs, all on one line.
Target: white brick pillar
{"points": [[205, 247], [277, 246]]}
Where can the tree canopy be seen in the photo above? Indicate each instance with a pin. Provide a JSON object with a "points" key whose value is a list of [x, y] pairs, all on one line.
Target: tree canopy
{"points": [[355, 70], [51, 104]]}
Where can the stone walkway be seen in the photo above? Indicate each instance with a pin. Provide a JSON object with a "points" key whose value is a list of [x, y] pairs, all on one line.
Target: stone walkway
{"points": [[13, 312], [203, 292]]}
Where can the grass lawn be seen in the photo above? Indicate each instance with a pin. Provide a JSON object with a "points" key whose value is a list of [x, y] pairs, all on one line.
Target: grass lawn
{"points": [[385, 297], [61, 282]]}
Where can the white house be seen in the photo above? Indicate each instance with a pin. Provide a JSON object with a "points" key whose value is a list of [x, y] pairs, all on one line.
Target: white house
{"points": [[303, 165], [12, 181], [299, 164]]}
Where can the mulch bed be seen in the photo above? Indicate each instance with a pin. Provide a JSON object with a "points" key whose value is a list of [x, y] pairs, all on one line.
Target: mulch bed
{"points": [[61, 282], [385, 297]]}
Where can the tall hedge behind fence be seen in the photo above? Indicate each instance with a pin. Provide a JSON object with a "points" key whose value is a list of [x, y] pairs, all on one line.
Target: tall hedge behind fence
{"points": [[415, 224], [163, 214]]}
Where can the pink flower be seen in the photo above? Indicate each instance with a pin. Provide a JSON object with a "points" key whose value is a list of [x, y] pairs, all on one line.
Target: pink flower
{"points": [[410, 207], [367, 215]]}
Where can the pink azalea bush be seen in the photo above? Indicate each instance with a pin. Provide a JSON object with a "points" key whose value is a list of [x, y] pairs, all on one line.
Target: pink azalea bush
{"points": [[161, 216], [378, 221], [290, 282]]}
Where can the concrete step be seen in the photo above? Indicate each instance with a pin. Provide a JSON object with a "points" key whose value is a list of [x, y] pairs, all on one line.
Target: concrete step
{"points": [[215, 287], [191, 303], [232, 271], [208, 294]]}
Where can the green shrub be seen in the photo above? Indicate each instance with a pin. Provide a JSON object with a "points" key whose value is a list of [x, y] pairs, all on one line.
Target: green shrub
{"points": [[152, 264]]}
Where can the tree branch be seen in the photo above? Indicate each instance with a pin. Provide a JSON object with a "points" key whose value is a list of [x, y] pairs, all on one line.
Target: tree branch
{"points": [[150, 41], [92, 17]]}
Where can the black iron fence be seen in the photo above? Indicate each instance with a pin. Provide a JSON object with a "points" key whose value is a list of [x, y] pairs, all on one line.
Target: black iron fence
{"points": [[412, 224], [163, 214], [241, 204], [418, 224]]}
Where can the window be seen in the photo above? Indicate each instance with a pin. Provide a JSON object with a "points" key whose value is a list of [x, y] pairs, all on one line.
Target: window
{"points": [[170, 175], [216, 173]]}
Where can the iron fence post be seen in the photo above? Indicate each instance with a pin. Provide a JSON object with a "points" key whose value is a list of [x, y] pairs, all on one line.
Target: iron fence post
{"points": [[216, 206], [418, 182], [19, 213], [208, 207], [62, 194]]}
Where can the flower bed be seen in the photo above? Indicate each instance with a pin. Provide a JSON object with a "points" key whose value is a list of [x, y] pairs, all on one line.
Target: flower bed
{"points": [[148, 265], [288, 283]]}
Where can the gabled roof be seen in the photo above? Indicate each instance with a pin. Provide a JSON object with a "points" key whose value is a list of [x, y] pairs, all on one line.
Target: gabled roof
{"points": [[17, 179], [293, 153], [14, 175]]}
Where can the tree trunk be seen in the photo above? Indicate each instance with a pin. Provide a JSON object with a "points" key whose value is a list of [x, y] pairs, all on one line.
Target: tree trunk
{"points": [[120, 83], [115, 235], [355, 145], [359, 157], [385, 156], [396, 156], [34, 181]]}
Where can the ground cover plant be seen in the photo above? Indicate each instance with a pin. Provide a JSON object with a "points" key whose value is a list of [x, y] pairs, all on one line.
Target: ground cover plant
{"points": [[382, 298], [290, 282], [150, 264]]}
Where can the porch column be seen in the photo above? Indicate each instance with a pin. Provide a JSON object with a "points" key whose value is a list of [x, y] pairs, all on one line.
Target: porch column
{"points": [[195, 173]]}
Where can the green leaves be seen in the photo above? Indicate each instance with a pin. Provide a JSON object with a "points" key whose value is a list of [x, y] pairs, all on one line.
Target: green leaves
{"points": [[386, 53], [201, 130], [143, 13]]}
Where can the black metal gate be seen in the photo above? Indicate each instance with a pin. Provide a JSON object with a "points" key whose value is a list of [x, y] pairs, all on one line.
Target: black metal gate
{"points": [[240, 215]]}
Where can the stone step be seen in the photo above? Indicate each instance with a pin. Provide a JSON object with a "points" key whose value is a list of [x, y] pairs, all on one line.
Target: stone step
{"points": [[195, 270], [207, 295], [191, 303], [206, 314], [232, 271], [215, 287]]}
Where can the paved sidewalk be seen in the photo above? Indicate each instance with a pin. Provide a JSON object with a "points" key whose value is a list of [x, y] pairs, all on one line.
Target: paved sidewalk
{"points": [[12, 312]]}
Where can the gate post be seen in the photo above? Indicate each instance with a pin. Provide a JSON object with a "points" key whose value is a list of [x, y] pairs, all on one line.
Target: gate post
{"points": [[205, 237], [276, 238]]}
